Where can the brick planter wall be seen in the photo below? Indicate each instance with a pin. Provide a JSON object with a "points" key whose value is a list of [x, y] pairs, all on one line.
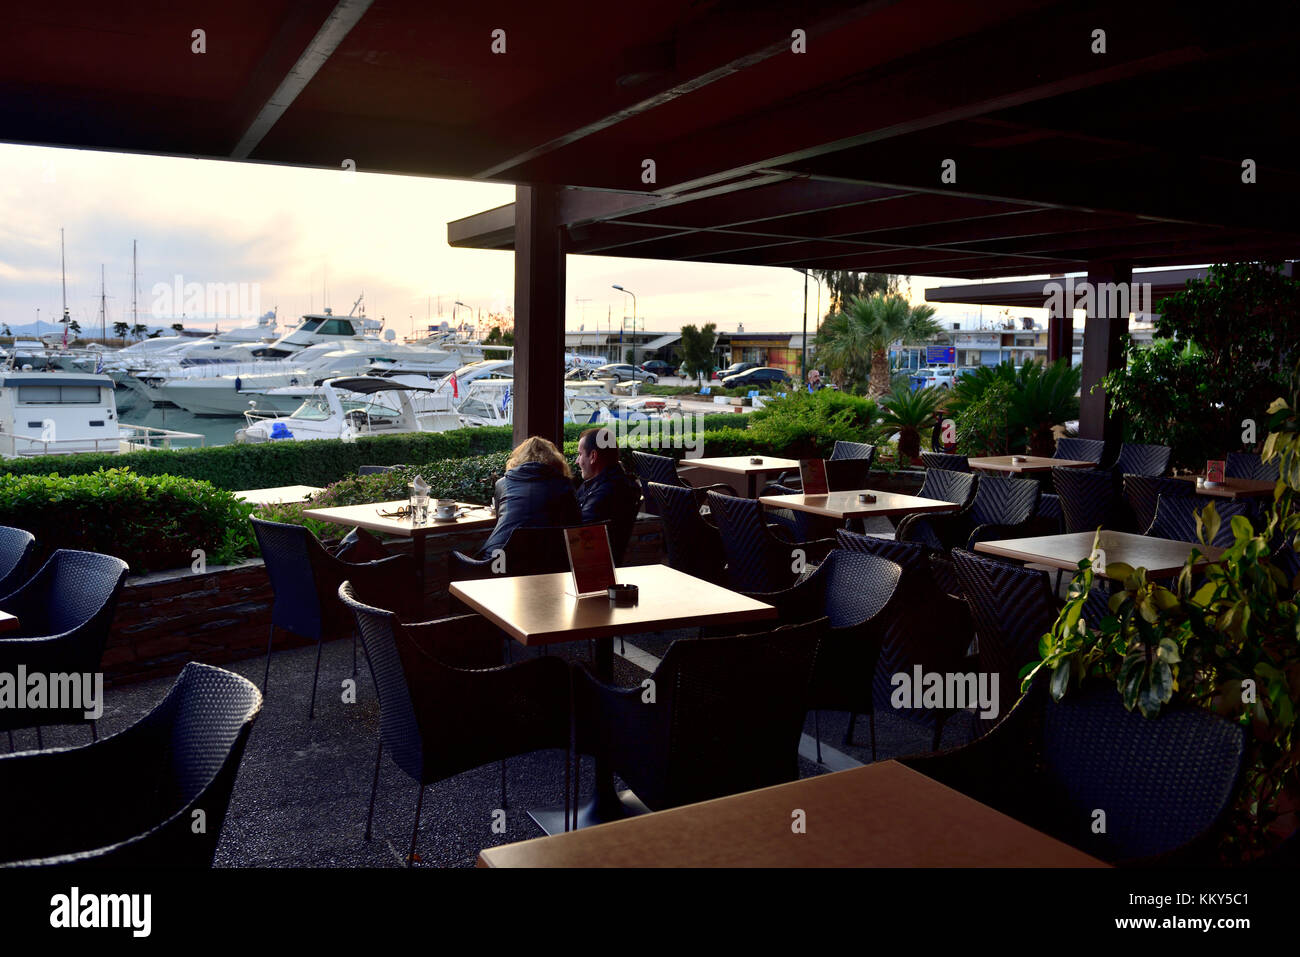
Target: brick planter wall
{"points": [[169, 618]]}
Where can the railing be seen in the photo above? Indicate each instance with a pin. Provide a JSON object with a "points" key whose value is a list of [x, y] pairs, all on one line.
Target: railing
{"points": [[130, 438]]}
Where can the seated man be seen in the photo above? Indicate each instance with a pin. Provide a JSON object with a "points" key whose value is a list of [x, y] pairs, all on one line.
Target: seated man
{"points": [[607, 492], [537, 490]]}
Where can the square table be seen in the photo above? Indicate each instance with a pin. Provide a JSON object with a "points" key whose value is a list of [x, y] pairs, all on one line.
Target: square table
{"points": [[537, 610], [741, 465], [845, 505], [469, 516], [881, 815], [1161, 557], [278, 495], [1235, 488], [1032, 464]]}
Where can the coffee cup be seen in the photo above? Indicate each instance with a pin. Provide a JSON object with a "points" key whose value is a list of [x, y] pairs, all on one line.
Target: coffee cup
{"points": [[445, 508]]}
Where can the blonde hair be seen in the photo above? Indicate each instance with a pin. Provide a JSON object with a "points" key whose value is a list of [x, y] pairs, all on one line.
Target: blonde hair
{"points": [[537, 449]]}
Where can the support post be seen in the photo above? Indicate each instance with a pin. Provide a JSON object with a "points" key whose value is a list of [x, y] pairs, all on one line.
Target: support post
{"points": [[1106, 324], [539, 315]]}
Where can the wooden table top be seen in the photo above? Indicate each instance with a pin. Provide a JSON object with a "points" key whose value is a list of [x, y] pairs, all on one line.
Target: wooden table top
{"points": [[277, 495], [846, 505], [1235, 488], [8, 622], [368, 517], [1159, 556], [741, 465], [536, 609], [1032, 463], [881, 815]]}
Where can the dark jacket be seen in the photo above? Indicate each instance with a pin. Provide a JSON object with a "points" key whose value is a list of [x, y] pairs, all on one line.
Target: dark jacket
{"points": [[531, 494], [612, 496]]}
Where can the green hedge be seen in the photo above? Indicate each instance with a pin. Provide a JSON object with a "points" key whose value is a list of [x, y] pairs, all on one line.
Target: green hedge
{"points": [[149, 521]]}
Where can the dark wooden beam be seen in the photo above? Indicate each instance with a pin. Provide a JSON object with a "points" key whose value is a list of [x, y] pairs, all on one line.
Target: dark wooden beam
{"points": [[539, 316]]}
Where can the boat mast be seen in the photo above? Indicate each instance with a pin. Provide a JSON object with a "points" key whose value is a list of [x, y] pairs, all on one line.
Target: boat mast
{"points": [[101, 301], [135, 314], [63, 269]]}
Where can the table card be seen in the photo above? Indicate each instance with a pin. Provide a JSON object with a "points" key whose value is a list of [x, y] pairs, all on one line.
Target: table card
{"points": [[813, 474], [591, 560], [1214, 470]]}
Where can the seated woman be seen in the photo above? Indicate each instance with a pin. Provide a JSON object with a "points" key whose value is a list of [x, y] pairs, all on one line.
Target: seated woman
{"points": [[537, 490]]}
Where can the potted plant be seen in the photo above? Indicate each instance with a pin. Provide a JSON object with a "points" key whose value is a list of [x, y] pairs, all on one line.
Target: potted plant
{"points": [[910, 415]]}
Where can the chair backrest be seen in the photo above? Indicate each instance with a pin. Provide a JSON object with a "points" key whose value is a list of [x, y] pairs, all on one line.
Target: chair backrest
{"points": [[1012, 608], [375, 469], [947, 485], [1141, 492], [693, 544], [1088, 497], [942, 460], [1246, 465], [1176, 518], [718, 743], [16, 548], [72, 589], [853, 450], [540, 549], [1138, 459], [1004, 501], [655, 468], [756, 560], [145, 782], [288, 551], [1080, 450], [1161, 781], [847, 475]]}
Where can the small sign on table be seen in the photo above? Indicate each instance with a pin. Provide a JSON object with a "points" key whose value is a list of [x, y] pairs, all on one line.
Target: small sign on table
{"points": [[1214, 470], [591, 560], [812, 472]]}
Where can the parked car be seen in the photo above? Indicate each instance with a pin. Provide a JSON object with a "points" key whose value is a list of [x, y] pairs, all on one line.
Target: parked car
{"points": [[658, 367], [734, 369], [625, 372], [758, 378], [939, 377]]}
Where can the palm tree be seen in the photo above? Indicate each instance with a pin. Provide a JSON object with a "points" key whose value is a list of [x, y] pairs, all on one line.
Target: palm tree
{"points": [[854, 343], [120, 329]]}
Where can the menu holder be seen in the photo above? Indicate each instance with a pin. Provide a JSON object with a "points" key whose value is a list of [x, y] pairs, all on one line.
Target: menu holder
{"points": [[1214, 470], [812, 472], [591, 561]]}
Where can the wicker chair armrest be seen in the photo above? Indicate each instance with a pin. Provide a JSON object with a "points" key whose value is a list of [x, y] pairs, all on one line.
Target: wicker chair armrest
{"points": [[475, 645], [816, 549], [950, 528], [993, 532]]}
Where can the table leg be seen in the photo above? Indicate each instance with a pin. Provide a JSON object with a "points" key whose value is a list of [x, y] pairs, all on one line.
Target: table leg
{"points": [[753, 484], [418, 553]]}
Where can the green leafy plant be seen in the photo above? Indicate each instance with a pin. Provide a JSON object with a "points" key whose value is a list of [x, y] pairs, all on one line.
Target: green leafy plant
{"points": [[853, 344], [1045, 396], [911, 415], [984, 423]]}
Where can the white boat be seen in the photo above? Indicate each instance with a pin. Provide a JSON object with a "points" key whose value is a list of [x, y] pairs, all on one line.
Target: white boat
{"points": [[349, 407], [55, 413], [491, 402]]}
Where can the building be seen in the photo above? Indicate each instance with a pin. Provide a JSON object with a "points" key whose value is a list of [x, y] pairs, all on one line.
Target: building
{"points": [[781, 350]]}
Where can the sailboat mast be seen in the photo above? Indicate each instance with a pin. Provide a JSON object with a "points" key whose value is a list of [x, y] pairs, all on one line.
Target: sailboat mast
{"points": [[63, 269], [135, 314], [101, 301]]}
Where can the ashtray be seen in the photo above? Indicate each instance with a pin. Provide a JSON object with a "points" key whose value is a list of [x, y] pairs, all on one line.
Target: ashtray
{"points": [[755, 461], [623, 594], [866, 498], [1208, 484], [1017, 460]]}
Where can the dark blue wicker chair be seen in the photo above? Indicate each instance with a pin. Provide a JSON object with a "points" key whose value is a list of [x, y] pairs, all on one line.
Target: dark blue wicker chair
{"points": [[758, 560], [942, 460], [1175, 518], [16, 549], [704, 736], [1246, 465], [64, 612], [305, 580], [448, 705], [948, 485], [937, 639], [1089, 498], [693, 544], [662, 469], [1164, 783], [842, 476], [1002, 508], [1080, 450], [1141, 492], [1137, 459], [130, 799], [530, 550], [1012, 608]]}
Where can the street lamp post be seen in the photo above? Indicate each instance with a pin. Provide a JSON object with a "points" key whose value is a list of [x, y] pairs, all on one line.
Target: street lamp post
{"points": [[624, 326]]}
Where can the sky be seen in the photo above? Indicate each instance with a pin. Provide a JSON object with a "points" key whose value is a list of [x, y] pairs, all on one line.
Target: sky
{"points": [[301, 239]]}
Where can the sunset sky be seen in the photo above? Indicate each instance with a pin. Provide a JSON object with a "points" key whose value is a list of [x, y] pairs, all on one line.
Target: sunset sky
{"points": [[311, 238]]}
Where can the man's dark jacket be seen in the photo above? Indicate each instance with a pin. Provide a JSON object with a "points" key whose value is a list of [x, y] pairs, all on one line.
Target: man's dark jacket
{"points": [[612, 496]]}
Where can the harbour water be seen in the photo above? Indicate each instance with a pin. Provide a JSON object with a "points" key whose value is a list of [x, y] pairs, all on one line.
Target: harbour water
{"points": [[134, 409]]}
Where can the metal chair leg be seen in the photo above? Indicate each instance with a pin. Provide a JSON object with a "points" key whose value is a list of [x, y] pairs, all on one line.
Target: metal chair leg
{"points": [[267, 675], [374, 786], [311, 710], [848, 734], [415, 832], [568, 772], [817, 733]]}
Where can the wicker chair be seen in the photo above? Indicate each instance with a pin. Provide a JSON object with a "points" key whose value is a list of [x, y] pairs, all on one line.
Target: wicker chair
{"points": [[662, 469], [942, 460], [1089, 498], [1175, 518], [1141, 493], [758, 560], [530, 550], [447, 705], [1245, 465], [64, 613], [1080, 450], [305, 579], [936, 639], [1148, 460], [1012, 608], [948, 485], [1164, 783], [16, 549], [131, 799], [693, 544], [703, 736], [1002, 508], [841, 476]]}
